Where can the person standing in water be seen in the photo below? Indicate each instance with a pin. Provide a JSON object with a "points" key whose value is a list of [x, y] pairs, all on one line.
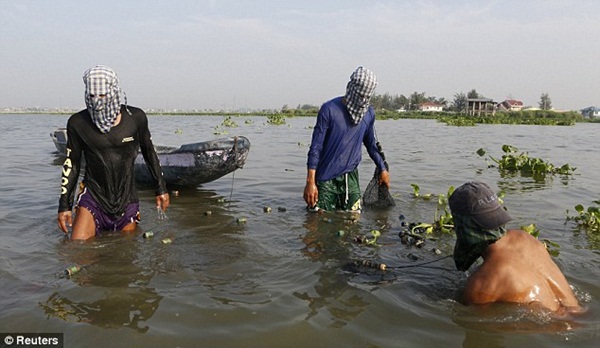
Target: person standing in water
{"points": [[108, 135], [343, 125]]}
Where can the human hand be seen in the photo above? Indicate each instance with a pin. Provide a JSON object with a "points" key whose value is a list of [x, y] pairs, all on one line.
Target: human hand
{"points": [[162, 202], [311, 194], [384, 179], [65, 220]]}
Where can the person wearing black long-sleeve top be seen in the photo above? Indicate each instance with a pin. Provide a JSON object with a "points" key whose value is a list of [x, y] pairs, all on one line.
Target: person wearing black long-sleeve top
{"points": [[108, 135]]}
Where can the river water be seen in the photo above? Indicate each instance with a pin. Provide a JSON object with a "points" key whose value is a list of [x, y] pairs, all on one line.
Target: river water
{"points": [[279, 278]]}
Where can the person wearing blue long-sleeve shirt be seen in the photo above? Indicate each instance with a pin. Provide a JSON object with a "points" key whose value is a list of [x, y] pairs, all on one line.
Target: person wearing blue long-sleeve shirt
{"points": [[343, 125]]}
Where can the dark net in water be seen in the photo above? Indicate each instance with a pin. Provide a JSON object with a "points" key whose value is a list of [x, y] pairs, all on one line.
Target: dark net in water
{"points": [[377, 196]]}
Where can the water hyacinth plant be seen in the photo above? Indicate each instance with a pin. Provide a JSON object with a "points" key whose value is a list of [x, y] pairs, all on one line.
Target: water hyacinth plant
{"points": [[512, 162], [589, 218], [443, 221], [417, 194], [228, 122], [276, 119], [539, 117]]}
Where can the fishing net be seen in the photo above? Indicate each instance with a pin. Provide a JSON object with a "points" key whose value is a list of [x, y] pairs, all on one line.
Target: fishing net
{"points": [[375, 195]]}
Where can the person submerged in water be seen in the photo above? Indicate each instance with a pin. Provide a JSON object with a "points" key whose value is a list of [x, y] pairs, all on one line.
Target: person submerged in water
{"points": [[516, 266]]}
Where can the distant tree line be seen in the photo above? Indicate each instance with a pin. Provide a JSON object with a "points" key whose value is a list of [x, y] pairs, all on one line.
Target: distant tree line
{"points": [[396, 102], [386, 103]]}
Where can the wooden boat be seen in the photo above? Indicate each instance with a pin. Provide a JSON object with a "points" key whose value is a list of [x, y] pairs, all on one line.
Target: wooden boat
{"points": [[187, 165]]}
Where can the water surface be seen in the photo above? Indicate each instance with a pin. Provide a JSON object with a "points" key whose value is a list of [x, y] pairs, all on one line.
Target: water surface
{"points": [[279, 279]]}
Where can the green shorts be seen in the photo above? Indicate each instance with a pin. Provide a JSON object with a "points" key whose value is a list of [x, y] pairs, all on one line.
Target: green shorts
{"points": [[341, 193]]}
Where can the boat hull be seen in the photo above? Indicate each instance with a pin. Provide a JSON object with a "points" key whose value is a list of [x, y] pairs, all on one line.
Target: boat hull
{"points": [[188, 165], [197, 163]]}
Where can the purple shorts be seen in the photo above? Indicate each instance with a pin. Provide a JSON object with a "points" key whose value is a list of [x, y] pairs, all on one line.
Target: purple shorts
{"points": [[106, 222]]}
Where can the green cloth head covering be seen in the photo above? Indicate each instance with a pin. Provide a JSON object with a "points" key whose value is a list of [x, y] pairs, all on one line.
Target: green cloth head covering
{"points": [[471, 240]]}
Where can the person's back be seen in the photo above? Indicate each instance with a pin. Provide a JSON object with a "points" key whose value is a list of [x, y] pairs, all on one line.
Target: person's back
{"points": [[517, 268]]}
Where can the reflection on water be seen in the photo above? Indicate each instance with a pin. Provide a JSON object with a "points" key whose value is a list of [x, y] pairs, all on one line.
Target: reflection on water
{"points": [[116, 272], [326, 242], [130, 308]]}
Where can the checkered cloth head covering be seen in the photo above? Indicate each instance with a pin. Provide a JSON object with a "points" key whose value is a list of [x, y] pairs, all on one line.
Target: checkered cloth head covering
{"points": [[359, 91], [102, 81]]}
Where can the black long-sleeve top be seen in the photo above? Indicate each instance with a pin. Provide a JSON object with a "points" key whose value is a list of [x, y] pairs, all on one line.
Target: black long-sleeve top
{"points": [[109, 160]]}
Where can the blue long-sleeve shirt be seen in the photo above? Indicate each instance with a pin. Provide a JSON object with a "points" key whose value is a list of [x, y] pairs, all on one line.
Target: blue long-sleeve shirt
{"points": [[336, 146]]}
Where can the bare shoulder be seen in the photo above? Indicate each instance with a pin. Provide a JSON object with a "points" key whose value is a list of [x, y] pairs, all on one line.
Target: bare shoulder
{"points": [[523, 240], [521, 235]]}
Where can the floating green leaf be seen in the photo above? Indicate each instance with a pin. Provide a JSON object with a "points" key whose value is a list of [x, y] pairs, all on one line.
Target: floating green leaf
{"points": [[589, 218]]}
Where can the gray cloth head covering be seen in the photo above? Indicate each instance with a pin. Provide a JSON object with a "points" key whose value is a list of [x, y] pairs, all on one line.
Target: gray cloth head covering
{"points": [[102, 81], [359, 91]]}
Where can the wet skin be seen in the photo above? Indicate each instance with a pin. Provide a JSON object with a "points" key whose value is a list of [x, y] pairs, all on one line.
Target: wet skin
{"points": [[518, 269]]}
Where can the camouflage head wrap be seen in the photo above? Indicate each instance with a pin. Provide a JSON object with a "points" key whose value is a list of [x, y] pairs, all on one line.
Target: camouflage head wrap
{"points": [[472, 240]]}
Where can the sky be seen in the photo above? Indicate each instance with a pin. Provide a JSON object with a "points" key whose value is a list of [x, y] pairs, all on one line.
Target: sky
{"points": [[264, 54]]}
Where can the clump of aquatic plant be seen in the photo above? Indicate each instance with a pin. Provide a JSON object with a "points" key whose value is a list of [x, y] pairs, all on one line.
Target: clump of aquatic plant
{"points": [[589, 218], [416, 193], [443, 221], [513, 161], [228, 122], [219, 131], [276, 119]]}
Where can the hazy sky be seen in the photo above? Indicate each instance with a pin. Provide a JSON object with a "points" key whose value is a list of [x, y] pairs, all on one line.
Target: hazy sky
{"points": [[222, 54]]}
